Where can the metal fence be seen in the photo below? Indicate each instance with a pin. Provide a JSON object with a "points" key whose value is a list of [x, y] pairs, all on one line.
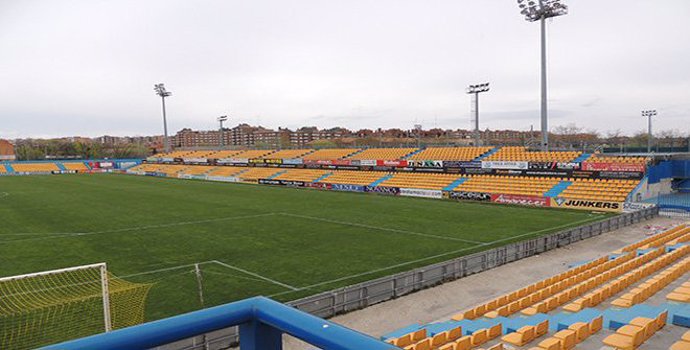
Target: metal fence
{"points": [[358, 296]]}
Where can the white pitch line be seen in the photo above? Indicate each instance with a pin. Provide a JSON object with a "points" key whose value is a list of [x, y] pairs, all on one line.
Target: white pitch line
{"points": [[146, 227], [380, 269], [383, 228], [256, 275], [418, 260], [172, 268], [37, 234], [543, 230]]}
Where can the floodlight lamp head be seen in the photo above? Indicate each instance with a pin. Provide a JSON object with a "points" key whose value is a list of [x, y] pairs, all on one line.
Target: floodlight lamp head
{"points": [[160, 90], [534, 11]]}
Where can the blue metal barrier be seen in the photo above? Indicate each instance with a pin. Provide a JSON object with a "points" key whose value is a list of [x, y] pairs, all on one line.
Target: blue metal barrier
{"points": [[262, 321]]}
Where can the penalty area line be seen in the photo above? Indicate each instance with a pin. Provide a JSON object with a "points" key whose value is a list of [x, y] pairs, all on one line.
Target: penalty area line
{"points": [[347, 223], [285, 285], [379, 270], [424, 259]]}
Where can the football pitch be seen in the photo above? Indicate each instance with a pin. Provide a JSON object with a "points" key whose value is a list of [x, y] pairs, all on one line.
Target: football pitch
{"points": [[247, 240]]}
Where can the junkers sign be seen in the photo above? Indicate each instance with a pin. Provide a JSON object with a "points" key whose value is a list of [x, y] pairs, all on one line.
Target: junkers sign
{"points": [[586, 204]]}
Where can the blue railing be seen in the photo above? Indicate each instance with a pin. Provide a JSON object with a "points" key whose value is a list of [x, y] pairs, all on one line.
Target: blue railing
{"points": [[261, 321]]}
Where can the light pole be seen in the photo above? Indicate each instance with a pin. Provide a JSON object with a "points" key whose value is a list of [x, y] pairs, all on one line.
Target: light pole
{"points": [[418, 131], [476, 90], [649, 114], [160, 91], [540, 10], [221, 119]]}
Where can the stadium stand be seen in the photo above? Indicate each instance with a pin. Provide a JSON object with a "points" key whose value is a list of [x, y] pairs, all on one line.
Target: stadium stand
{"points": [[306, 175], [432, 181], [35, 167], [522, 154], [79, 166], [598, 157], [330, 154], [254, 174], [383, 153], [288, 154], [450, 153], [224, 154], [680, 294], [255, 153], [354, 177], [532, 186], [574, 304], [613, 190], [226, 171]]}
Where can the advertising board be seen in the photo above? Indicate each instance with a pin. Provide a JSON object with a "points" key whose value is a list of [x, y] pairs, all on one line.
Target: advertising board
{"points": [[554, 166], [425, 163], [521, 200], [418, 192], [223, 178], [394, 191], [560, 202], [461, 164], [606, 166], [473, 196], [391, 163], [504, 165], [293, 161], [347, 187]]}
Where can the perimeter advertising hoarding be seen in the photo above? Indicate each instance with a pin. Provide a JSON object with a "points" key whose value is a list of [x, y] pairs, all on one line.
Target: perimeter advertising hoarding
{"points": [[293, 161], [560, 202], [282, 182], [425, 163], [504, 165], [394, 191], [473, 196], [417, 192], [223, 178], [391, 163], [521, 200], [461, 164], [318, 185], [233, 161], [614, 167], [367, 162], [347, 187], [554, 165], [195, 160]]}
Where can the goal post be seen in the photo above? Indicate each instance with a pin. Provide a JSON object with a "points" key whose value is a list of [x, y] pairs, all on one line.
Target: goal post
{"points": [[51, 306]]}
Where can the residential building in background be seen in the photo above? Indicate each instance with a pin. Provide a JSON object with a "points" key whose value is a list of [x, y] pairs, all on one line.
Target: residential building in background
{"points": [[7, 150]]}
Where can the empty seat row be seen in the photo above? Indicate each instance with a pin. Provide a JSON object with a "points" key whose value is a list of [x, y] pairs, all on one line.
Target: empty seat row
{"points": [[655, 283], [382, 153], [680, 294], [656, 240], [632, 335], [576, 333], [450, 153], [510, 303], [683, 343]]}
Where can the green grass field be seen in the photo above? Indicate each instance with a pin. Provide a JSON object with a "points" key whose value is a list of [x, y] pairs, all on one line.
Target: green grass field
{"points": [[249, 239]]}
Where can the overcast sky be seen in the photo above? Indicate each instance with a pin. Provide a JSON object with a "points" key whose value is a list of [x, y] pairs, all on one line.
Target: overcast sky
{"points": [[87, 67]]}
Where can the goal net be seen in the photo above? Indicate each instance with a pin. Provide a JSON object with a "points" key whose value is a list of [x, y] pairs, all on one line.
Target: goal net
{"points": [[53, 306]]}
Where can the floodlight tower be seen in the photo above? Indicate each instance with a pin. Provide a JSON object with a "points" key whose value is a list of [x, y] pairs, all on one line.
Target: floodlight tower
{"points": [[221, 119], [476, 90], [540, 10], [418, 132], [160, 91], [649, 114]]}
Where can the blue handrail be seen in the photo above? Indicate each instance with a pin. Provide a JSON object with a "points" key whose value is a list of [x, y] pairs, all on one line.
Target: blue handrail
{"points": [[262, 321]]}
